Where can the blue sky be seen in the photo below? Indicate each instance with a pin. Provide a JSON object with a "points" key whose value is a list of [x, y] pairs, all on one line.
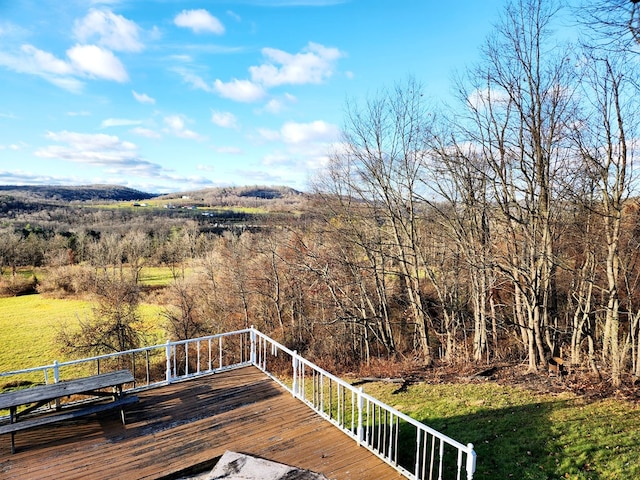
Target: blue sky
{"points": [[167, 96]]}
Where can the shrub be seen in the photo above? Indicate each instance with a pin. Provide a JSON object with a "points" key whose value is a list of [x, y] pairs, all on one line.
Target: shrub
{"points": [[18, 285]]}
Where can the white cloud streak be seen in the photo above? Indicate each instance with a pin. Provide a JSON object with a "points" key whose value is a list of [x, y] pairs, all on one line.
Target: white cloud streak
{"points": [[175, 125], [240, 90], [97, 150], [143, 98], [119, 122], [145, 132], [314, 64], [112, 31], [199, 21], [224, 119]]}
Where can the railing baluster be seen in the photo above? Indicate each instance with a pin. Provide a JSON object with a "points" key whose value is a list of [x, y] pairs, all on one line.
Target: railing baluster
{"points": [[175, 361], [198, 357], [148, 366], [441, 459], [417, 471], [433, 455]]}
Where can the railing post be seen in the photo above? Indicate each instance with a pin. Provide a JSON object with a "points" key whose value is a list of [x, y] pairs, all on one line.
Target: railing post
{"points": [[294, 360], [360, 409], [471, 461], [56, 372], [253, 346], [56, 379], [168, 354]]}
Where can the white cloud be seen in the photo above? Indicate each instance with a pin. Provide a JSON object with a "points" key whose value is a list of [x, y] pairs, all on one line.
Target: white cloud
{"points": [[482, 98], [119, 122], [183, 57], [200, 21], [194, 80], [239, 90], [84, 60], [14, 146], [234, 15], [34, 61], [145, 132], [313, 65], [99, 150], [41, 61], [97, 62], [143, 98], [229, 150], [277, 105], [176, 126], [224, 119], [305, 146], [112, 31], [66, 83], [174, 122], [318, 131], [270, 135]]}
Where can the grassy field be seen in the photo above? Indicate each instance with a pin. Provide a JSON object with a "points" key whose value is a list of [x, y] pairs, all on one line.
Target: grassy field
{"points": [[525, 435], [29, 325]]}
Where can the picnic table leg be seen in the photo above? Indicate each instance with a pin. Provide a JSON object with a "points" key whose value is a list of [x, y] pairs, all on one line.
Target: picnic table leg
{"points": [[12, 419], [118, 397]]}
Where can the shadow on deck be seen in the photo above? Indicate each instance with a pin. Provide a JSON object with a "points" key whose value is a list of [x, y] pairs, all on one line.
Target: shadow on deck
{"points": [[185, 427]]}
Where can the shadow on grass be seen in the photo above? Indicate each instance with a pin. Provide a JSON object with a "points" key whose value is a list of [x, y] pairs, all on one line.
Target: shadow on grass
{"points": [[540, 440], [511, 442]]}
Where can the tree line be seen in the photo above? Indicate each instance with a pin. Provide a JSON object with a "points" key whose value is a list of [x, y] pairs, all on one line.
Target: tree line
{"points": [[504, 227]]}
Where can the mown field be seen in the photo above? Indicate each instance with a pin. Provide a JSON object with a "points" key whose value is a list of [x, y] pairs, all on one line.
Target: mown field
{"points": [[29, 326]]}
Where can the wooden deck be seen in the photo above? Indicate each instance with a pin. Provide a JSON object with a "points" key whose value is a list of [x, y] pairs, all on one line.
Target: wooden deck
{"points": [[191, 424]]}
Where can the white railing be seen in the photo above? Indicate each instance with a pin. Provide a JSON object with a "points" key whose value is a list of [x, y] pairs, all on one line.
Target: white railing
{"points": [[414, 449], [152, 366]]}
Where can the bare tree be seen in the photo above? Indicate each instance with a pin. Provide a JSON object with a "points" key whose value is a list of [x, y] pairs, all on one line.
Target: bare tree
{"points": [[184, 314], [520, 104], [115, 324], [605, 143], [614, 24], [382, 161], [459, 178]]}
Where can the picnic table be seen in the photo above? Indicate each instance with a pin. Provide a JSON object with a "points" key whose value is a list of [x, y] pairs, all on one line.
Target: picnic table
{"points": [[35, 397]]}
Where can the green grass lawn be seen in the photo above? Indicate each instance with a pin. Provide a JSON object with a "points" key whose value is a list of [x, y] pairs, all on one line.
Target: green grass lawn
{"points": [[160, 276], [29, 325], [525, 435]]}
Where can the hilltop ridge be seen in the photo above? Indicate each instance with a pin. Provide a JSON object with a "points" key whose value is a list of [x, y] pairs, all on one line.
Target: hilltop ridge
{"points": [[63, 193], [99, 192]]}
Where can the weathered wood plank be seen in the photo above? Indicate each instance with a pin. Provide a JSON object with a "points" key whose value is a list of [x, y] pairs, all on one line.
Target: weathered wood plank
{"points": [[42, 420], [63, 389], [175, 427]]}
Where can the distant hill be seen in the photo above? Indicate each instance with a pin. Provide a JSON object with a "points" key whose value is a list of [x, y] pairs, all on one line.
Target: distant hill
{"points": [[260, 192], [272, 198], [62, 193]]}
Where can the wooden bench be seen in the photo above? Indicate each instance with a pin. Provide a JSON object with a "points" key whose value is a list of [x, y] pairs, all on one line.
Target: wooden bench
{"points": [[36, 397]]}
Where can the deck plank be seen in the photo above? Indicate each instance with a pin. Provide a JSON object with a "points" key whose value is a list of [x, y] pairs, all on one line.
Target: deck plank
{"points": [[188, 423]]}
